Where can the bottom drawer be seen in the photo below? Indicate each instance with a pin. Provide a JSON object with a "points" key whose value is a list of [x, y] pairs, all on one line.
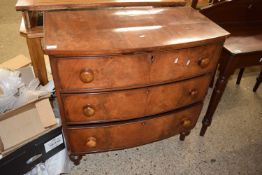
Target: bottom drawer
{"points": [[125, 135]]}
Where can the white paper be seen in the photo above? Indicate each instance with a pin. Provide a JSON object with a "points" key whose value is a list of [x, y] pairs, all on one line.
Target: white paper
{"points": [[58, 140]]}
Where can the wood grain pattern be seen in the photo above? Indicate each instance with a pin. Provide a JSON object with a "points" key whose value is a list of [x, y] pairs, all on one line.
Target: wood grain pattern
{"points": [[41, 5], [37, 58], [137, 103], [138, 70], [126, 135], [136, 30]]}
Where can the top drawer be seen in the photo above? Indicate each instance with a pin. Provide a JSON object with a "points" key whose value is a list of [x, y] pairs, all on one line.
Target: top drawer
{"points": [[136, 70]]}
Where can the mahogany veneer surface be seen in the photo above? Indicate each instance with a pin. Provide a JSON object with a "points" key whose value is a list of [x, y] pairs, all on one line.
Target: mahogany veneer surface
{"points": [[130, 134], [136, 30], [40, 5], [135, 70], [136, 103]]}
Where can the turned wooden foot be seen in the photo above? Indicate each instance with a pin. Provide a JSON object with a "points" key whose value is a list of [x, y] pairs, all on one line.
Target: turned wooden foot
{"points": [[183, 135], [75, 159]]}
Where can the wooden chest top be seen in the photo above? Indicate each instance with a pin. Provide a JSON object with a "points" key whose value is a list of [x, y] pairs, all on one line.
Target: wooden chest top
{"points": [[42, 5], [114, 31]]}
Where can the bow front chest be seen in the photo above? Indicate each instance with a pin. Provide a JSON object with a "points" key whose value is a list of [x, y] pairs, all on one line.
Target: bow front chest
{"points": [[130, 76]]}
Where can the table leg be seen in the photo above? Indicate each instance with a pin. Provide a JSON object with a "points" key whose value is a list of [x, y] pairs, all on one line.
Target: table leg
{"points": [[240, 74], [259, 80], [225, 72], [37, 58], [211, 84], [194, 4]]}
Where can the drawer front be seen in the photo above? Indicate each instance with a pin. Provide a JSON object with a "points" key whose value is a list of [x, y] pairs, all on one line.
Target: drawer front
{"points": [[128, 104], [119, 136], [138, 70]]}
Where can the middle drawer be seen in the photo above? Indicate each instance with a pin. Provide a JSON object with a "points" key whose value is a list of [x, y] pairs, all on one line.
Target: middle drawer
{"points": [[135, 103]]}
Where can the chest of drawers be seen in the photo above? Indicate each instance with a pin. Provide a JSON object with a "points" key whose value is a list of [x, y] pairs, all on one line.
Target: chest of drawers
{"points": [[128, 77]]}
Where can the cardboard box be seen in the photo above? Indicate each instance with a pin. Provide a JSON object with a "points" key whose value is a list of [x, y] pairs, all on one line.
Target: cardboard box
{"points": [[44, 147], [28, 120], [25, 122], [16, 62]]}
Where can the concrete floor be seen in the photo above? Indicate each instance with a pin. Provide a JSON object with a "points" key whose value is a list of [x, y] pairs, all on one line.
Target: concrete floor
{"points": [[232, 145]]}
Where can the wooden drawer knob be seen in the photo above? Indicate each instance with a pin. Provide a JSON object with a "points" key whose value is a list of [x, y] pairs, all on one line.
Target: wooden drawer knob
{"points": [[88, 110], [186, 123], [91, 142], [193, 92], [87, 76], [204, 62]]}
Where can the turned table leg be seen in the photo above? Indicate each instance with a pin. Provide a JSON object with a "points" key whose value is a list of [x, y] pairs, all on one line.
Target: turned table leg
{"points": [[225, 72], [37, 58], [213, 79]]}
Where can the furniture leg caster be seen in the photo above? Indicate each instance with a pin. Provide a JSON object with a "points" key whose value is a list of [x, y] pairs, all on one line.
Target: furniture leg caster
{"points": [[75, 159], [183, 135]]}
